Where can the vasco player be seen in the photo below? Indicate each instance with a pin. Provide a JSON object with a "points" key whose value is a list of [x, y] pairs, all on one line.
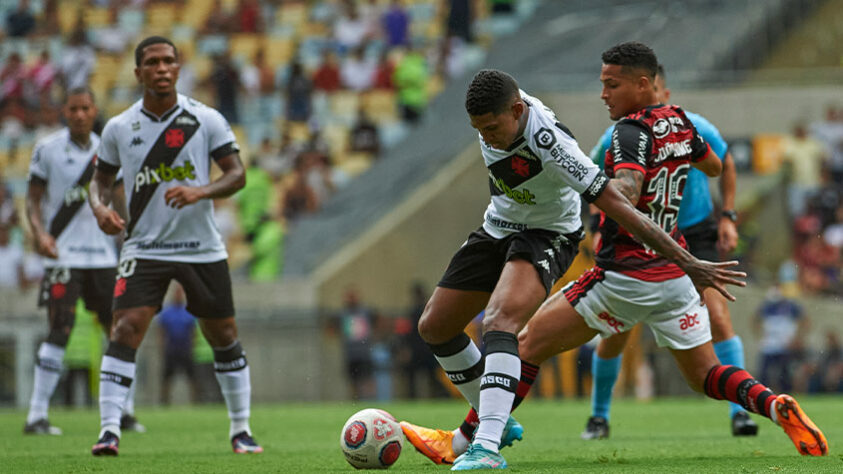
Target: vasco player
{"points": [[528, 239], [78, 257], [708, 237], [631, 282], [164, 144]]}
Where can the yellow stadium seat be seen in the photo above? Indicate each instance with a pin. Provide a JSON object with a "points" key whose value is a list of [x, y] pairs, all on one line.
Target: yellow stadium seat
{"points": [[161, 16], [337, 138], [96, 17], [380, 106], [68, 12], [245, 45], [299, 131], [355, 164], [344, 105], [279, 51]]}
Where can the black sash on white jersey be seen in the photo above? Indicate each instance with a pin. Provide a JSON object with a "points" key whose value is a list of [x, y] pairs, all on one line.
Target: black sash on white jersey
{"points": [[160, 153], [66, 212]]}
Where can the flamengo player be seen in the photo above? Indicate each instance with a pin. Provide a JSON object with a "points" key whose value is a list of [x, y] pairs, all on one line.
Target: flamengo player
{"points": [[529, 237], [164, 143], [633, 284], [707, 238], [78, 257]]}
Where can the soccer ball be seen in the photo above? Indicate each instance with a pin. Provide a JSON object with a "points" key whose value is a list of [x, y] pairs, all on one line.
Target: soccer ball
{"points": [[371, 439]]}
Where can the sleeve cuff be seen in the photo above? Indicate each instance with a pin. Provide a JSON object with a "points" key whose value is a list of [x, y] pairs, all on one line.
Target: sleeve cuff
{"points": [[630, 166], [225, 150], [697, 159], [597, 187], [107, 167]]}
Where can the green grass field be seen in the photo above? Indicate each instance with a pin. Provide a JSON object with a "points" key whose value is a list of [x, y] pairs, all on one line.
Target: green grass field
{"points": [[669, 435]]}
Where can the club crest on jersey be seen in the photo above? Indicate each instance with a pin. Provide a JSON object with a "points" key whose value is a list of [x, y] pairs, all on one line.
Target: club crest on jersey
{"points": [[544, 138], [664, 126], [174, 138]]}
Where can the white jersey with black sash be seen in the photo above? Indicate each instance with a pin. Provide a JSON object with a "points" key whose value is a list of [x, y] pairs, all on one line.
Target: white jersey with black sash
{"points": [[534, 183], [65, 169], [159, 153]]}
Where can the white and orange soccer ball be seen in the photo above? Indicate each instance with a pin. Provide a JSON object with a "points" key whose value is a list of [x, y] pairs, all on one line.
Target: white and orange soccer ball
{"points": [[371, 439]]}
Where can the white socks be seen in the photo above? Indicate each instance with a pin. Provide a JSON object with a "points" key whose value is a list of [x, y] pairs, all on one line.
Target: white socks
{"points": [[116, 378], [47, 373], [232, 372]]}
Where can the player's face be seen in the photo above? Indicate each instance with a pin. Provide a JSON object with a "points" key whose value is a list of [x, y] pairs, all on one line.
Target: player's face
{"points": [[499, 130], [159, 69], [80, 113], [621, 90]]}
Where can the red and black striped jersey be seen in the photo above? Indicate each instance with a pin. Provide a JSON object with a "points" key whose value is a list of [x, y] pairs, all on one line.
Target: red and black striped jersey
{"points": [[660, 142]]}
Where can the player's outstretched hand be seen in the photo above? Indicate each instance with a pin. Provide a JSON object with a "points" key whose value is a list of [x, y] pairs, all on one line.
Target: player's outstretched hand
{"points": [[109, 221], [180, 196], [45, 245], [715, 275]]}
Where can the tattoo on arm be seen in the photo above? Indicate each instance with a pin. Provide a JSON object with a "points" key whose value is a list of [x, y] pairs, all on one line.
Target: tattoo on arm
{"points": [[629, 183]]}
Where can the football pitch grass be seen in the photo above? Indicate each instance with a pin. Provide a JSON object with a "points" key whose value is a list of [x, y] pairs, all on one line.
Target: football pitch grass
{"points": [[688, 435]]}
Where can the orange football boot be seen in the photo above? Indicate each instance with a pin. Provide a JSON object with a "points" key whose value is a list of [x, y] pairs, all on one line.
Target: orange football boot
{"points": [[435, 444], [807, 438]]}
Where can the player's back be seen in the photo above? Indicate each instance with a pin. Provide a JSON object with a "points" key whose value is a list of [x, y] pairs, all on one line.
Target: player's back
{"points": [[660, 142]]}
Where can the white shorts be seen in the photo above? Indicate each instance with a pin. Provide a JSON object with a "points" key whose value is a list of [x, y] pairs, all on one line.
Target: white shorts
{"points": [[612, 303]]}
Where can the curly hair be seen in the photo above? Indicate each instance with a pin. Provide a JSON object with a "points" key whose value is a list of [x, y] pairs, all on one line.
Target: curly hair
{"points": [[149, 42], [490, 91], [633, 55]]}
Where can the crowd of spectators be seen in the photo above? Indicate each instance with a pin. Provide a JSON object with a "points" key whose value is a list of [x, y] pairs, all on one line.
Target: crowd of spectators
{"points": [[814, 156], [315, 90]]}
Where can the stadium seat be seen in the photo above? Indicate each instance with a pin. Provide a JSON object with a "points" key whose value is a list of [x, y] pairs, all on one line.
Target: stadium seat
{"points": [[355, 163], [380, 106], [96, 17], [244, 45], [344, 106], [279, 51]]}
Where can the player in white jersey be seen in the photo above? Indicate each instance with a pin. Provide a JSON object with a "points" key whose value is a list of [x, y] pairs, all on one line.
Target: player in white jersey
{"points": [[79, 258], [164, 144], [528, 239]]}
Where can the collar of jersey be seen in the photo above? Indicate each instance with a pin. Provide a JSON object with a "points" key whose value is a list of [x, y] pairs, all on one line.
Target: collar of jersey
{"points": [[163, 117]]}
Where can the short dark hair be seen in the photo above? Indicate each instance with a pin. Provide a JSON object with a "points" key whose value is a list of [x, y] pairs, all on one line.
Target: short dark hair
{"points": [[490, 91], [77, 91], [660, 72], [634, 55], [149, 41]]}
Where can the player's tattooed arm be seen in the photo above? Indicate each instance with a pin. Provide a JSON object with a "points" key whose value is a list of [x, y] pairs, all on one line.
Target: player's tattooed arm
{"points": [[629, 182], [703, 274]]}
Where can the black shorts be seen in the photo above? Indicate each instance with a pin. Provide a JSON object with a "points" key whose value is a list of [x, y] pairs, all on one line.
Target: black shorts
{"points": [[62, 286], [702, 240], [478, 264], [175, 362], [207, 286]]}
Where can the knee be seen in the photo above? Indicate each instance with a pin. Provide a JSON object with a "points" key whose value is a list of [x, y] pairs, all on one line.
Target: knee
{"points": [[429, 330], [220, 335], [127, 332]]}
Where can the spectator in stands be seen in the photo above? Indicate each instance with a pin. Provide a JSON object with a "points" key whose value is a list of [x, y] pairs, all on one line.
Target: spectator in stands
{"points": [[830, 132], [186, 82], [833, 234], [819, 264], [40, 78], [50, 17], [299, 94], [267, 250], [279, 163], [460, 18], [254, 199], [350, 29], [411, 77], [113, 38], [805, 156], [8, 211], [319, 173], [780, 323], [384, 72], [396, 25], [11, 261], [357, 71], [226, 83], [326, 78], [218, 21], [178, 332], [78, 58], [248, 17], [20, 22], [356, 326], [420, 362], [364, 136], [12, 79], [298, 197]]}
